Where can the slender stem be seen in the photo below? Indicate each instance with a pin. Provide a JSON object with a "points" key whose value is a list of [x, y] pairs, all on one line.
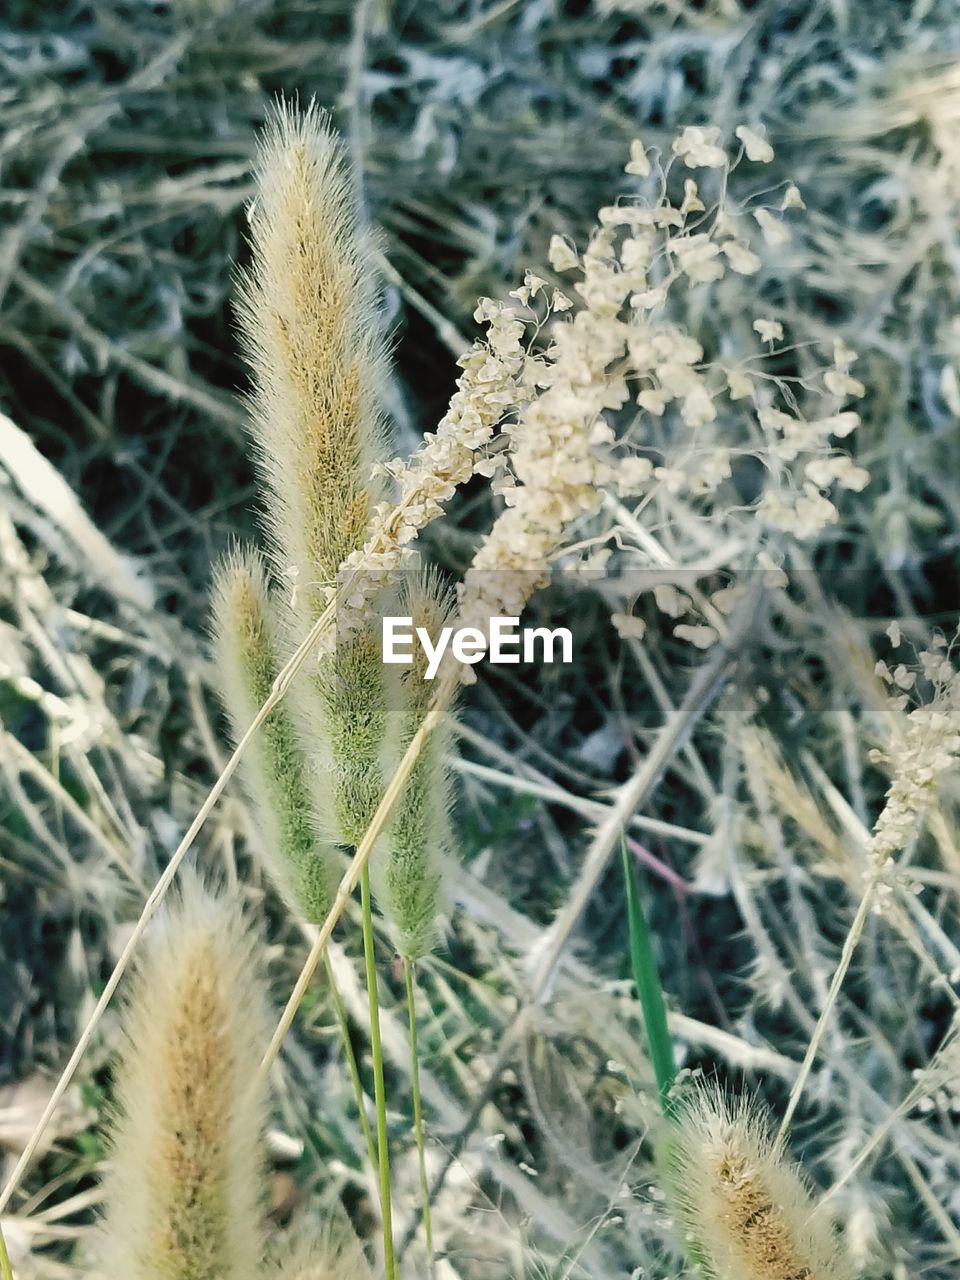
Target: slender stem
{"points": [[6, 1271], [380, 1094], [704, 688], [846, 956], [351, 1061], [418, 1107]]}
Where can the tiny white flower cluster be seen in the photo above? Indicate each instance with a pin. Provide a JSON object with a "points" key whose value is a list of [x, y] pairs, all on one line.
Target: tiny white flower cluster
{"points": [[555, 472], [614, 362], [927, 747], [495, 379], [609, 391], [937, 1086]]}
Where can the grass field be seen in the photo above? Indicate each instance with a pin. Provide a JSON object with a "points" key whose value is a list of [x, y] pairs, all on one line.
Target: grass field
{"points": [[763, 713]]}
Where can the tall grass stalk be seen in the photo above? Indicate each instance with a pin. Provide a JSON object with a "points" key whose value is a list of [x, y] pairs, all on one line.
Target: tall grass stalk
{"points": [[380, 1093], [408, 979], [351, 1059], [813, 1048], [284, 680], [744, 1209], [183, 1192]]}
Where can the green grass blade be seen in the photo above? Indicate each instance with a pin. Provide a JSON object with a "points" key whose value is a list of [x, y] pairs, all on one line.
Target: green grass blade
{"points": [[6, 1271], [649, 990]]}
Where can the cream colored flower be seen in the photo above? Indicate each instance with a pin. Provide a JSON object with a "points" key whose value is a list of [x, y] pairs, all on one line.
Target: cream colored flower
{"points": [[639, 162], [561, 256], [743, 260], [840, 383], [774, 231], [769, 330], [698, 148], [739, 384], [629, 627], [757, 148]]}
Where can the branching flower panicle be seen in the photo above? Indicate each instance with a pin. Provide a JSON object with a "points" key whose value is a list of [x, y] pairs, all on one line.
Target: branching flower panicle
{"points": [[613, 393], [493, 382], [926, 746]]}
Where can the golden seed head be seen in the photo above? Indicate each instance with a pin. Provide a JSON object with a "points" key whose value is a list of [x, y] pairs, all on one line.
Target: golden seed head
{"points": [[746, 1210], [184, 1188]]}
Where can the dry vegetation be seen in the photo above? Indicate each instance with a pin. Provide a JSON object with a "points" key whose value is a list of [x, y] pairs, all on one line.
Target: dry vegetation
{"points": [[749, 789]]}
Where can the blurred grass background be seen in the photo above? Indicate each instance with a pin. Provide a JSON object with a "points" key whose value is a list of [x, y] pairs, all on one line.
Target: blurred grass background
{"points": [[477, 130]]}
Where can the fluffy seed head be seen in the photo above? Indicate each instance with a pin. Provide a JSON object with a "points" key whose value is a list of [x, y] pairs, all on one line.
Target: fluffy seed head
{"points": [[310, 330], [313, 337], [274, 770], [183, 1192], [408, 869], [745, 1209]]}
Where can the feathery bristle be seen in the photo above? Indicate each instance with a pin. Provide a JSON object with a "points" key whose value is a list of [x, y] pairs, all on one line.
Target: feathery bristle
{"points": [[275, 771], [745, 1209], [337, 1255], [183, 1194], [409, 866], [346, 716], [314, 340], [312, 335]]}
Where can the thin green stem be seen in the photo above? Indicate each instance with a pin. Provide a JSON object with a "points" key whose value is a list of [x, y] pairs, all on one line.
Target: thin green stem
{"points": [[379, 1089], [418, 1107], [6, 1271], [351, 1057]]}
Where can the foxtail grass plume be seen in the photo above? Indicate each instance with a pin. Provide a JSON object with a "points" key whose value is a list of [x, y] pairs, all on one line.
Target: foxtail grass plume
{"points": [[274, 770], [745, 1210], [408, 868], [314, 340], [308, 319], [183, 1194]]}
